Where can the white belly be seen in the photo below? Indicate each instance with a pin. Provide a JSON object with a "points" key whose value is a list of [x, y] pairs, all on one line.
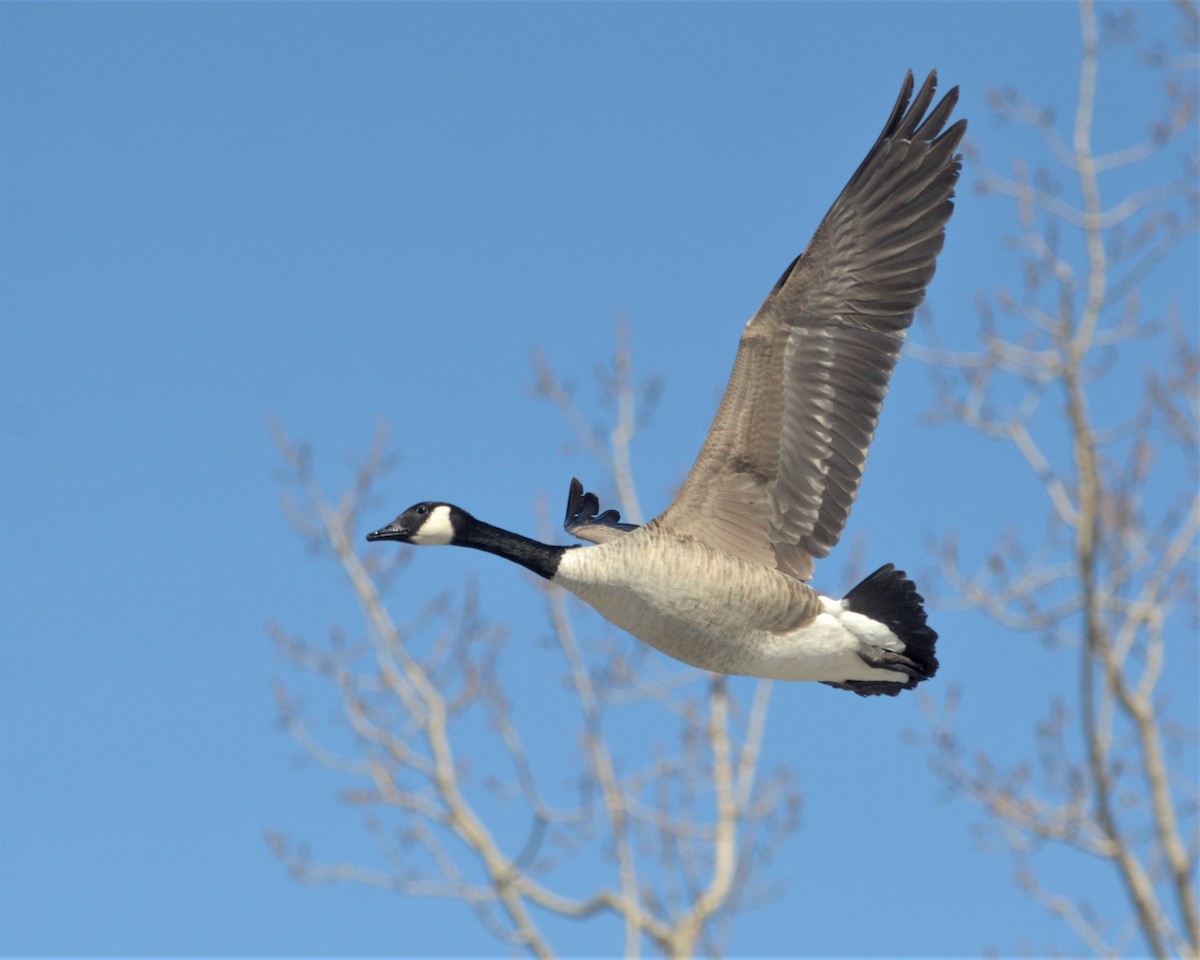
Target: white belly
{"points": [[721, 614]]}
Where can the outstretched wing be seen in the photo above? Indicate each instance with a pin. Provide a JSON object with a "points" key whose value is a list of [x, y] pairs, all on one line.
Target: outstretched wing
{"points": [[780, 468], [584, 520]]}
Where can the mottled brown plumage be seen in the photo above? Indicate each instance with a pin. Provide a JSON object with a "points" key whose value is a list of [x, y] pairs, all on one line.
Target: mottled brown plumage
{"points": [[779, 470]]}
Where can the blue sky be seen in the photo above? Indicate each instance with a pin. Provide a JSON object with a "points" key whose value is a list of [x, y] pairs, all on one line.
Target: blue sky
{"points": [[336, 214]]}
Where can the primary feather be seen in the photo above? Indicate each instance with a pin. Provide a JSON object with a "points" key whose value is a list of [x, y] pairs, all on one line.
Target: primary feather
{"points": [[780, 468]]}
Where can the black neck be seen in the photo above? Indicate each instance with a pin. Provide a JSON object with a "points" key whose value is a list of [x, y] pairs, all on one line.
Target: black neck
{"points": [[541, 558]]}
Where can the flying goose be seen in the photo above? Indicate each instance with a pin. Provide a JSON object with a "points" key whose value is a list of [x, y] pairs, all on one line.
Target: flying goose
{"points": [[719, 579]]}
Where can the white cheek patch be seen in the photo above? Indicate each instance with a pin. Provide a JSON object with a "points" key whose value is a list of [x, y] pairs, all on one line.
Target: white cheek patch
{"points": [[436, 530]]}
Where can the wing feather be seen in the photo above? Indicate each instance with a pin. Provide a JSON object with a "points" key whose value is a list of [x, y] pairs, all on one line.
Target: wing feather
{"points": [[780, 468], [584, 521]]}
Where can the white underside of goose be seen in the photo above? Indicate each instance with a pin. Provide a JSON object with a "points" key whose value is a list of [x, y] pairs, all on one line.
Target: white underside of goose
{"points": [[719, 613]]}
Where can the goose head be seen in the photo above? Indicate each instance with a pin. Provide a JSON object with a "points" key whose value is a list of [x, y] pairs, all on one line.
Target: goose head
{"points": [[432, 523], [426, 524]]}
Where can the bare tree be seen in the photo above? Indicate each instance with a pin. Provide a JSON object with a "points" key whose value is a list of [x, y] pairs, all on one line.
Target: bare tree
{"points": [[1088, 373], [463, 804]]}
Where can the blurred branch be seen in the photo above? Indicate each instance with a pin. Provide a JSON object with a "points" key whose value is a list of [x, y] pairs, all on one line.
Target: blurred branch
{"points": [[1113, 576], [673, 843], [610, 448]]}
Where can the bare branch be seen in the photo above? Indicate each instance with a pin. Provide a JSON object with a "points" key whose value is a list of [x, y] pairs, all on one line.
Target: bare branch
{"points": [[681, 869], [1113, 574]]}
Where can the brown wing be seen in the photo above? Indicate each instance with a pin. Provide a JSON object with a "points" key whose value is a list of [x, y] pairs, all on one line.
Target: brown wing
{"points": [[584, 521], [781, 465]]}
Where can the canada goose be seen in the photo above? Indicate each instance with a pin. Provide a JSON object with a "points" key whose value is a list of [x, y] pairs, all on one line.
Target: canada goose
{"points": [[718, 580]]}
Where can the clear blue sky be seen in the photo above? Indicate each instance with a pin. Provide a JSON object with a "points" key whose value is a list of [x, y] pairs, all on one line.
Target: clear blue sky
{"points": [[336, 214]]}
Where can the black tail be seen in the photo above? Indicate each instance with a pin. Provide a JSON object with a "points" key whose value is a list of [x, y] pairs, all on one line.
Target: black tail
{"points": [[890, 597]]}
